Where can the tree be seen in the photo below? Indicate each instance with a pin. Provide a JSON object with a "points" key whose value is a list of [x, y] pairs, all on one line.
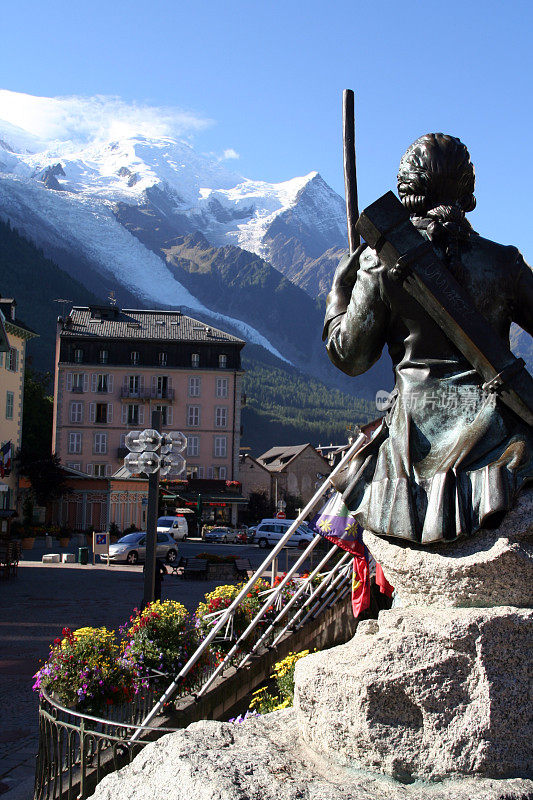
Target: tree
{"points": [[294, 504], [259, 507], [34, 460]]}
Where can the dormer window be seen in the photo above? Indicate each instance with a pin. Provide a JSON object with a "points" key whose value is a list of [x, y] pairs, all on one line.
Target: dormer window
{"points": [[195, 360], [222, 361], [103, 356], [135, 357], [78, 356], [162, 359]]}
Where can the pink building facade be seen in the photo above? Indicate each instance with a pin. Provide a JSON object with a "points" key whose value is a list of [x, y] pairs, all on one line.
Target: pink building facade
{"points": [[114, 367]]}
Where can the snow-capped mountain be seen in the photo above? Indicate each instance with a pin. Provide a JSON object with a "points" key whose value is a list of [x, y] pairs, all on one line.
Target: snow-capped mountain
{"points": [[116, 209], [128, 204]]}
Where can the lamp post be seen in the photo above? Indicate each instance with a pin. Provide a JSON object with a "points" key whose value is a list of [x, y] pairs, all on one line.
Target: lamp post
{"points": [[154, 454]]}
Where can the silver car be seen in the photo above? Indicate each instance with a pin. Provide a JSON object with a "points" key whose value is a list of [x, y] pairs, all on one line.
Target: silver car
{"points": [[132, 548], [221, 534]]}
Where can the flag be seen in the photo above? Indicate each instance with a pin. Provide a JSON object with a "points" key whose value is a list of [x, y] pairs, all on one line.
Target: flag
{"points": [[382, 582], [5, 459], [336, 524]]}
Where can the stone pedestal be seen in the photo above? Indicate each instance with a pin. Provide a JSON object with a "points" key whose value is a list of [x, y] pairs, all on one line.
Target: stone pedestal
{"points": [[424, 694], [491, 568]]}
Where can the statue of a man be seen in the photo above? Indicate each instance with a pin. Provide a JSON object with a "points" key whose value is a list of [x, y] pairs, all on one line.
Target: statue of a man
{"points": [[449, 457]]}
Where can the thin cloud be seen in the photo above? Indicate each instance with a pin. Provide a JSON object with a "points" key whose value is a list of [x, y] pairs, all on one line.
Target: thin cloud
{"points": [[230, 153], [100, 117]]}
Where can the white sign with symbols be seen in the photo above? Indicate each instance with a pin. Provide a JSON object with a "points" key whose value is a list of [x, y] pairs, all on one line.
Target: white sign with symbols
{"points": [[101, 543]]}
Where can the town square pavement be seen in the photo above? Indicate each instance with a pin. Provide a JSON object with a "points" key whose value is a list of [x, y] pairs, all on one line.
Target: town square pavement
{"points": [[35, 605]]}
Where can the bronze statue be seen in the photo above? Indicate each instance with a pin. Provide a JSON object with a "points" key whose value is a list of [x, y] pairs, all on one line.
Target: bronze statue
{"points": [[450, 455]]}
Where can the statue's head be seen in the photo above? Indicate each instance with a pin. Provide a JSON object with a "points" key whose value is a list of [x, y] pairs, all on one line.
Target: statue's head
{"points": [[436, 171]]}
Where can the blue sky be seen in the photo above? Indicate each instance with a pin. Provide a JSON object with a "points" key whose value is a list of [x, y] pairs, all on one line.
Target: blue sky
{"points": [[270, 77]]}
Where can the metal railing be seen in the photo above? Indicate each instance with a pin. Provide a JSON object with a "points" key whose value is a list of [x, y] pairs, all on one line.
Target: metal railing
{"points": [[148, 393], [338, 577], [77, 749]]}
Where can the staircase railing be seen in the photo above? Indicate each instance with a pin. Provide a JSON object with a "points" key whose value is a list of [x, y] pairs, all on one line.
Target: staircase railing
{"points": [[332, 587]]}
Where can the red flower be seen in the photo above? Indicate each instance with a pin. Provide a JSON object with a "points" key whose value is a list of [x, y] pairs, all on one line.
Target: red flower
{"points": [[57, 641]]}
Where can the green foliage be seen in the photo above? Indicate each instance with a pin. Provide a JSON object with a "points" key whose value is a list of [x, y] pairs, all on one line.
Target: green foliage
{"points": [[36, 282], [160, 639], [84, 670], [34, 459], [285, 407], [259, 507], [265, 700], [38, 414]]}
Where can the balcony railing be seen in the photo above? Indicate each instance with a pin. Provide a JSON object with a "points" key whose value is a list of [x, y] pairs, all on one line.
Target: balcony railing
{"points": [[146, 394]]}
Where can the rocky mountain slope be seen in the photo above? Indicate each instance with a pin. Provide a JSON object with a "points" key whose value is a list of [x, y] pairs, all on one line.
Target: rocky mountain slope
{"points": [[163, 225]]}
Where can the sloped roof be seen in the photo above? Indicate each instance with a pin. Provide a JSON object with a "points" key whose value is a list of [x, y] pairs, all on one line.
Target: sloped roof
{"points": [[128, 323], [277, 458]]}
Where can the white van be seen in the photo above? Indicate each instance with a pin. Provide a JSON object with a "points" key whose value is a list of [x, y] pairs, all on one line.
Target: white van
{"points": [[269, 532], [176, 526]]}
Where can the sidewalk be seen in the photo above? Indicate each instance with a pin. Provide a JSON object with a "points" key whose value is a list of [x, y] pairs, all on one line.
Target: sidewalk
{"points": [[34, 608]]}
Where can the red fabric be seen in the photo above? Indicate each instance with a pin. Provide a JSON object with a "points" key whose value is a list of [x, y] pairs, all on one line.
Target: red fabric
{"points": [[360, 584], [382, 582]]}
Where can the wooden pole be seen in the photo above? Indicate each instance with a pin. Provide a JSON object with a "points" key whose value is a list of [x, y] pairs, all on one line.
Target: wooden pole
{"points": [[350, 170]]}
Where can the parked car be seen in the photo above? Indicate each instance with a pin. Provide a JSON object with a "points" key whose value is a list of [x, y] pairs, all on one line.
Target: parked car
{"points": [[220, 534], [132, 548], [270, 531], [176, 526]]}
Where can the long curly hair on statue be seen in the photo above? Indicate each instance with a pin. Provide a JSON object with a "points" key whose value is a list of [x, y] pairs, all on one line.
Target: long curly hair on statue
{"points": [[436, 184], [436, 170]]}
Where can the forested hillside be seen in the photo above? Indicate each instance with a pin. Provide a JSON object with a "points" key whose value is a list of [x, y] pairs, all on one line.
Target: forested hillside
{"points": [[285, 407], [36, 283]]}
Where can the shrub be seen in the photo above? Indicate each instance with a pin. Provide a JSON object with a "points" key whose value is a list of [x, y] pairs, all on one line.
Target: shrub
{"points": [[220, 599], [84, 669], [160, 639], [263, 701]]}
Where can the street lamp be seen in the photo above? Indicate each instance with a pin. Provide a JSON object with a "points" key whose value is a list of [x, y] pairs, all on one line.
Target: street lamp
{"points": [[154, 454]]}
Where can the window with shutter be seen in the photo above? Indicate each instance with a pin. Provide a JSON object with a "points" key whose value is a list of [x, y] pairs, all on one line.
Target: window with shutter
{"points": [[69, 381], [110, 383], [90, 469], [141, 415], [170, 415], [221, 417], [107, 470], [220, 446], [124, 415], [85, 382], [110, 412], [94, 382], [92, 412]]}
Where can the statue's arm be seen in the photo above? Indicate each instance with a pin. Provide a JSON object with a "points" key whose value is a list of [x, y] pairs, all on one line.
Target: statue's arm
{"points": [[523, 294], [357, 316]]}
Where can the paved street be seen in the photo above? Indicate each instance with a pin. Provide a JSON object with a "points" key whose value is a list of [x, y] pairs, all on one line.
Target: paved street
{"points": [[34, 608]]}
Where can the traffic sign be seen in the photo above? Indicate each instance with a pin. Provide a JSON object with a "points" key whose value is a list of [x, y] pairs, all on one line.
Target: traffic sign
{"points": [[281, 515]]}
